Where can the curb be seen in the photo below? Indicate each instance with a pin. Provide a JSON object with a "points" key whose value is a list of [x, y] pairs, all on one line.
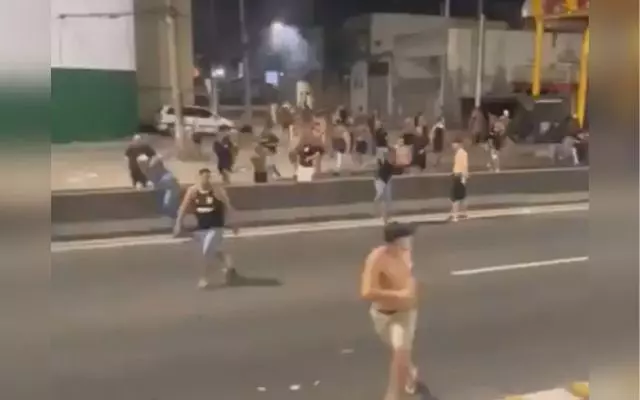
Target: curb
{"points": [[575, 391]]}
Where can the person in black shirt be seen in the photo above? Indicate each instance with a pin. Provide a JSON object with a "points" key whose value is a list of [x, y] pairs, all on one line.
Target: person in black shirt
{"points": [[225, 151], [137, 148], [211, 206], [361, 137], [386, 169], [259, 160], [495, 141], [270, 141], [437, 140], [380, 140], [308, 155], [340, 142], [419, 156]]}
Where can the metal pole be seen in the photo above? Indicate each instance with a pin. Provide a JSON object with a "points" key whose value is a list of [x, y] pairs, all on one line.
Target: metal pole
{"points": [[246, 71], [444, 67], [215, 95], [536, 71], [480, 54], [174, 75], [584, 78]]}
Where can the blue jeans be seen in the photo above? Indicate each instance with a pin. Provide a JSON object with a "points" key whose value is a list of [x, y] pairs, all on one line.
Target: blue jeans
{"points": [[383, 193], [169, 190]]}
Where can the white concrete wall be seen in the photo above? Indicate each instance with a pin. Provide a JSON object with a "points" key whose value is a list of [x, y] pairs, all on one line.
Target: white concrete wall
{"points": [[509, 56], [152, 55], [386, 27], [83, 37]]}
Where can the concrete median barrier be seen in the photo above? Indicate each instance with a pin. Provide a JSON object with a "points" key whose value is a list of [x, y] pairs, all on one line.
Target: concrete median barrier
{"points": [[114, 205]]}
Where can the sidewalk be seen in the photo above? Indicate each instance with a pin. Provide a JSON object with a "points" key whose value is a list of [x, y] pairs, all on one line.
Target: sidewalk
{"points": [[576, 391], [87, 166]]}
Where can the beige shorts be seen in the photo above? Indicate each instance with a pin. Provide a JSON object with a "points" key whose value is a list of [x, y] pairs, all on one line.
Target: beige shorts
{"points": [[398, 329]]}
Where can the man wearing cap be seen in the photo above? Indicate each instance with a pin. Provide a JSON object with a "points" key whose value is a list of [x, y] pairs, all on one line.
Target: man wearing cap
{"points": [[388, 283]]}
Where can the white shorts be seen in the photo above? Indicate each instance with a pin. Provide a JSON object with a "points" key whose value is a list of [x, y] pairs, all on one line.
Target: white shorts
{"points": [[305, 174], [398, 329], [210, 241]]}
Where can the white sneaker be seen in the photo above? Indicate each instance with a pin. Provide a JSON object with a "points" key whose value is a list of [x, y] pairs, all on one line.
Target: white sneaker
{"points": [[411, 387], [203, 283]]}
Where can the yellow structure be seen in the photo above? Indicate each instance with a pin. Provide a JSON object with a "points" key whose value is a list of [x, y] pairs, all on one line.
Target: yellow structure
{"points": [[565, 16]]}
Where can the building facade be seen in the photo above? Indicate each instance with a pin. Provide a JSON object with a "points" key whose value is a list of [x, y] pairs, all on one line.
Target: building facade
{"points": [[109, 65], [401, 62], [93, 78]]}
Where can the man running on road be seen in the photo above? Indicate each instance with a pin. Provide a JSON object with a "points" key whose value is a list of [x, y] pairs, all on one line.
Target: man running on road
{"points": [[210, 204], [388, 283]]}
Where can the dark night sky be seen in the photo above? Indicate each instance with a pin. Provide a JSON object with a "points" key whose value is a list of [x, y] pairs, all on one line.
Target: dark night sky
{"points": [[216, 27]]}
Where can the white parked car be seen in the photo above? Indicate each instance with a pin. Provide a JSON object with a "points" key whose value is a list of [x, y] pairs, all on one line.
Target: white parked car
{"points": [[201, 119]]}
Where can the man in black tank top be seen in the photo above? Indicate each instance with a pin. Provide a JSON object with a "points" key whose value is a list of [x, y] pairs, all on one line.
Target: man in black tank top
{"points": [[210, 205]]}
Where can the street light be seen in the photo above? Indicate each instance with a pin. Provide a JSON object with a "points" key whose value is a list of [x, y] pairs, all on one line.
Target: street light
{"points": [[277, 25], [212, 84], [218, 72]]}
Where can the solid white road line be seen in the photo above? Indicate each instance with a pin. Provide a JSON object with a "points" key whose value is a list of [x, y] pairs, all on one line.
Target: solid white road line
{"points": [[60, 247], [556, 394], [509, 267]]}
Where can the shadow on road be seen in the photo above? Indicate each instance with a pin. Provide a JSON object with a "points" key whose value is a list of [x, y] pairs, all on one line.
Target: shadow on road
{"points": [[247, 281]]}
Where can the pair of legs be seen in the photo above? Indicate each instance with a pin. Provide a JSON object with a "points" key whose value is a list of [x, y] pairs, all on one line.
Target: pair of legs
{"points": [[169, 189], [494, 159], [225, 173], [138, 178], [397, 330], [382, 200], [458, 199], [210, 242]]}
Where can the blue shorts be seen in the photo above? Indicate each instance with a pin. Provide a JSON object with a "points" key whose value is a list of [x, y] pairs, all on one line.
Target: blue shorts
{"points": [[210, 241]]}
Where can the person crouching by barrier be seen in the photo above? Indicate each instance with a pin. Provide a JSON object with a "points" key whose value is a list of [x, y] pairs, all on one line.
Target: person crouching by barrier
{"points": [[164, 182], [136, 148]]}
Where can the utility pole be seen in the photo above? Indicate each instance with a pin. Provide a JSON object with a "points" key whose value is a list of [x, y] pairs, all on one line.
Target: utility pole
{"points": [[182, 141], [480, 54], [444, 67], [246, 70]]}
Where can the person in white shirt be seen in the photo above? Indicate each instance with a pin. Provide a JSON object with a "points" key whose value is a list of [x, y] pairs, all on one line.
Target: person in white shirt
{"points": [[459, 184]]}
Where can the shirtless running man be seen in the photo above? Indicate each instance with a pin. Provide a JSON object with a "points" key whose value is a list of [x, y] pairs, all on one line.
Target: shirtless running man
{"points": [[388, 283]]}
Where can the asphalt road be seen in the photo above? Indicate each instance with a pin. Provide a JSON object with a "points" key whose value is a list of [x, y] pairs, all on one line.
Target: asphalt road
{"points": [[130, 325]]}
